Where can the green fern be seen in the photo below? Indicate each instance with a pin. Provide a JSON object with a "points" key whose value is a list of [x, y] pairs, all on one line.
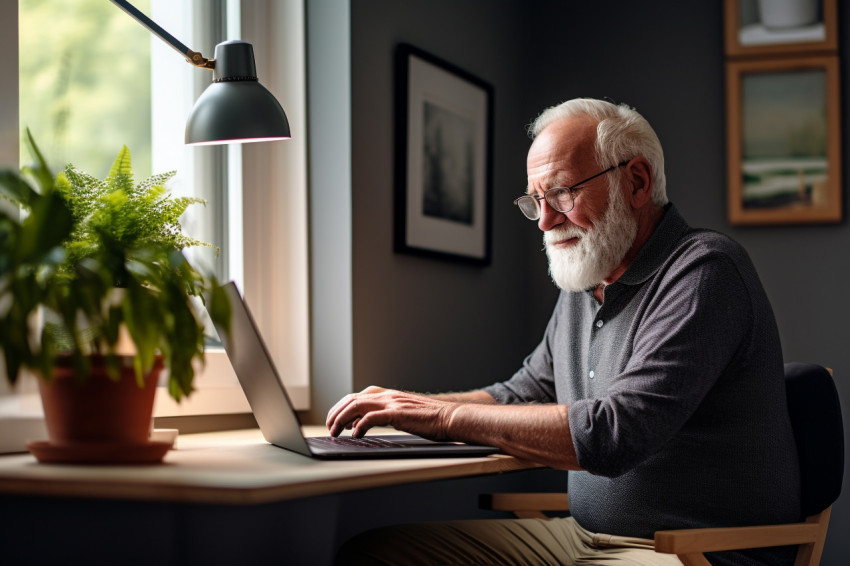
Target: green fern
{"points": [[117, 212], [95, 255]]}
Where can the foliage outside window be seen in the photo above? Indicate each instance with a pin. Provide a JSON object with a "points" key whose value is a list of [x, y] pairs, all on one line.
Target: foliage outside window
{"points": [[85, 88]]}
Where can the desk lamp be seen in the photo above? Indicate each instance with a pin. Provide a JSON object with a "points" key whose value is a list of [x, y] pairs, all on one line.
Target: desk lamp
{"points": [[235, 108]]}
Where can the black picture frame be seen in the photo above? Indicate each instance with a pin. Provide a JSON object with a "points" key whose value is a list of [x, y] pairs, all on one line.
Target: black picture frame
{"points": [[443, 160]]}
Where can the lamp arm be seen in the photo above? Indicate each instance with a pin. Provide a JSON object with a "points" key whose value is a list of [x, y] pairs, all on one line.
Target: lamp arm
{"points": [[192, 57]]}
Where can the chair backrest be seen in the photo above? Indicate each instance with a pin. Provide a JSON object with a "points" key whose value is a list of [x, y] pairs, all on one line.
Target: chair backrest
{"points": [[818, 429]]}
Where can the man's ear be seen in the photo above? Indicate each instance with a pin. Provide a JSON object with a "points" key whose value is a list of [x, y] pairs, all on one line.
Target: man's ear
{"points": [[639, 177]]}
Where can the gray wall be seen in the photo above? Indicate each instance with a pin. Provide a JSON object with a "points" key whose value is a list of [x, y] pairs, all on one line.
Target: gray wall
{"points": [[427, 324], [430, 325]]}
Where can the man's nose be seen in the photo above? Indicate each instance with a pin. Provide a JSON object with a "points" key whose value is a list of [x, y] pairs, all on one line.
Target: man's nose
{"points": [[549, 217]]}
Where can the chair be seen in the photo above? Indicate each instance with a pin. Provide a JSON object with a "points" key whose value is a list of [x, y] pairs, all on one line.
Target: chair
{"points": [[816, 419]]}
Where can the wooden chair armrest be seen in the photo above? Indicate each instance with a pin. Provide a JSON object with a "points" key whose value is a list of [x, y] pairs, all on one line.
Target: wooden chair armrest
{"points": [[525, 505], [690, 541]]}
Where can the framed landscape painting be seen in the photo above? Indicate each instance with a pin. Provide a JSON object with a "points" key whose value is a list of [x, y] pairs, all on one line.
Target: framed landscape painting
{"points": [[784, 141], [443, 149]]}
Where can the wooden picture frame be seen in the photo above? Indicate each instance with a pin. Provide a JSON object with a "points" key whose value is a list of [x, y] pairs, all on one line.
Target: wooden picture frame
{"points": [[790, 28], [784, 141], [443, 159]]}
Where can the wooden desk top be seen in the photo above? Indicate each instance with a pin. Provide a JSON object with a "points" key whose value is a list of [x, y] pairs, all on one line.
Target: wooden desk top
{"points": [[235, 467]]}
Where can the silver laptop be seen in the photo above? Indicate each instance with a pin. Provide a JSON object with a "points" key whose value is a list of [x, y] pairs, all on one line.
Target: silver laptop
{"points": [[278, 420]]}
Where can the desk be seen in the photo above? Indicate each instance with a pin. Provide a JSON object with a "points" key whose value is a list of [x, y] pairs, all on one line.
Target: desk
{"points": [[232, 498], [236, 467]]}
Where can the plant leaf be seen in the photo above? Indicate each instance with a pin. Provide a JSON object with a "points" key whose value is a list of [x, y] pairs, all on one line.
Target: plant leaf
{"points": [[15, 188], [47, 226], [40, 171], [122, 164]]}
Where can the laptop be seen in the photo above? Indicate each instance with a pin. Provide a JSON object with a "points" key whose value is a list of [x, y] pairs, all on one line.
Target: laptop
{"points": [[278, 420]]}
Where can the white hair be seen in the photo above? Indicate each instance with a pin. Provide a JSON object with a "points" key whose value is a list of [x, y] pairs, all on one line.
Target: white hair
{"points": [[621, 134]]}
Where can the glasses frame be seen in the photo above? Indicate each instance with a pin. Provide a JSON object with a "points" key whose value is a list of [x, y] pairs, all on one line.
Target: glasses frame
{"points": [[547, 192]]}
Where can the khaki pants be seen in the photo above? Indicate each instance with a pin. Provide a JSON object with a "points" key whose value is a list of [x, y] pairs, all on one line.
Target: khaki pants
{"points": [[517, 542]]}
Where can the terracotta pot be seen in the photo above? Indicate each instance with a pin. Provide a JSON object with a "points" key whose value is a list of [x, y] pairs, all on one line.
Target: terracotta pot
{"points": [[98, 410]]}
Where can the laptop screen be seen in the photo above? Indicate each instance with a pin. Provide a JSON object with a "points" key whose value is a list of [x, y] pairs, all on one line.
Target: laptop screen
{"points": [[260, 381]]}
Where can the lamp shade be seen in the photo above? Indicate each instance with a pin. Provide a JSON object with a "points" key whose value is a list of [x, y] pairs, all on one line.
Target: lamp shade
{"points": [[236, 107]]}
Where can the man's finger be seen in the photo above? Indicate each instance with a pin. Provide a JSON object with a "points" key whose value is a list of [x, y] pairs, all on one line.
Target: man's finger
{"points": [[340, 406], [371, 419], [349, 416]]}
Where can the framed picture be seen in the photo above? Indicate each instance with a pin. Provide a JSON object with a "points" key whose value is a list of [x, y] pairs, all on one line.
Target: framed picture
{"points": [[780, 27], [784, 142], [444, 146]]}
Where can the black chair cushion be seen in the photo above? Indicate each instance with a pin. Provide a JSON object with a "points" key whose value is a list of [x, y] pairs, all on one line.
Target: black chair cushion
{"points": [[816, 418]]}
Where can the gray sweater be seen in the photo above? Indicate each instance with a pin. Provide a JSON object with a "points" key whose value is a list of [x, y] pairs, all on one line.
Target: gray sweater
{"points": [[675, 391]]}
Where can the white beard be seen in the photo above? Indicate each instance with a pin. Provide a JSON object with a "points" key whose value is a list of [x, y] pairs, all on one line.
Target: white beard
{"points": [[599, 250]]}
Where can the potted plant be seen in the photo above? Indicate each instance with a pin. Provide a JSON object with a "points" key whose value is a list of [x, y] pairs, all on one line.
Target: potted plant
{"points": [[96, 298]]}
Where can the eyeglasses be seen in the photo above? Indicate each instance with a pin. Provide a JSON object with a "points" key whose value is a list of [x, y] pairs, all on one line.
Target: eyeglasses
{"points": [[559, 198]]}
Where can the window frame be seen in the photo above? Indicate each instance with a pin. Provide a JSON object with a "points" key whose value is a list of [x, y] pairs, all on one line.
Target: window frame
{"points": [[274, 276]]}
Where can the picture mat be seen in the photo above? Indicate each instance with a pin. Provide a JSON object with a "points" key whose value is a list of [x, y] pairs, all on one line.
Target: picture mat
{"points": [[428, 84]]}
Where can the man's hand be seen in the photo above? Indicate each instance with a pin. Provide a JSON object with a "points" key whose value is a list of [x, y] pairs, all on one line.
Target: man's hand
{"points": [[534, 432], [376, 406]]}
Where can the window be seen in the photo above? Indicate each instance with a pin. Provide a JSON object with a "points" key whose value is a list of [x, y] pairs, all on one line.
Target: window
{"points": [[92, 79]]}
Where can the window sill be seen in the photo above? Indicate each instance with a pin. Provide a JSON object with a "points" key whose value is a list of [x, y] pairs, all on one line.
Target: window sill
{"points": [[217, 393], [21, 421]]}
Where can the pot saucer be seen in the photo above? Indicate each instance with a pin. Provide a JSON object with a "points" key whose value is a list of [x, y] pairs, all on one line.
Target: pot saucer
{"points": [[149, 453]]}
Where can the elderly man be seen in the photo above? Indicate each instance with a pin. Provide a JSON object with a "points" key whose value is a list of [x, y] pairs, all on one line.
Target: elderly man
{"points": [[658, 382]]}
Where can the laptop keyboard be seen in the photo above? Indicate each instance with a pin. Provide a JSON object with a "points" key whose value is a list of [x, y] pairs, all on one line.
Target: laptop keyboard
{"points": [[351, 442]]}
